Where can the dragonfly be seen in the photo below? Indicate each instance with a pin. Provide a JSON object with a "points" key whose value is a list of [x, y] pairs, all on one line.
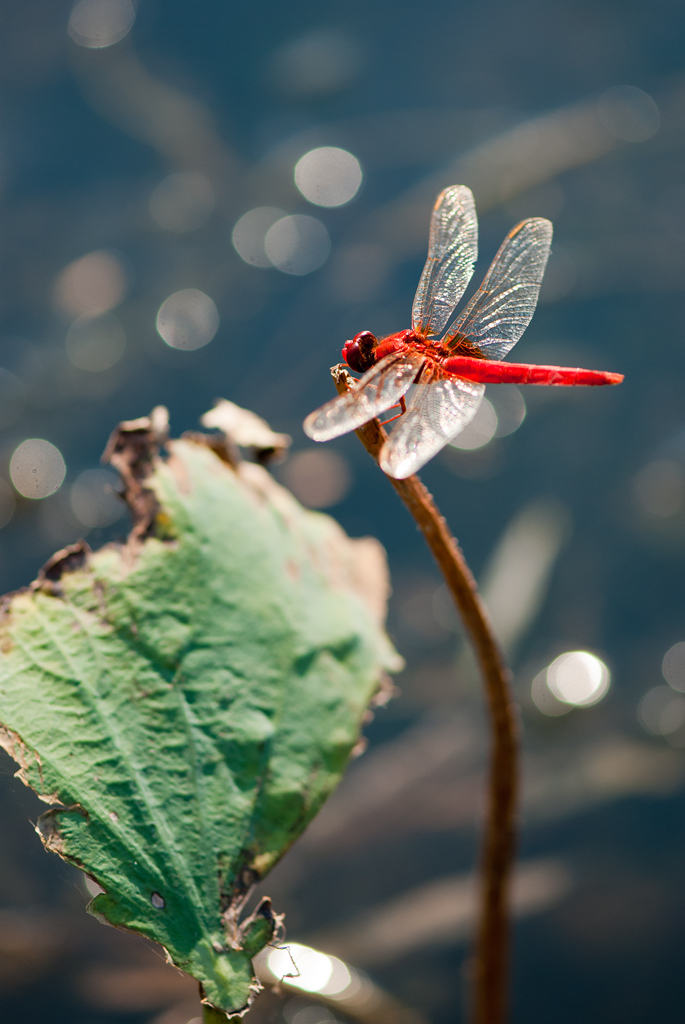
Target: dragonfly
{"points": [[449, 364]]}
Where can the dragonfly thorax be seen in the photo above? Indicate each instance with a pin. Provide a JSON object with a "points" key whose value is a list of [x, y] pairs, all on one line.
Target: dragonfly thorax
{"points": [[399, 341]]}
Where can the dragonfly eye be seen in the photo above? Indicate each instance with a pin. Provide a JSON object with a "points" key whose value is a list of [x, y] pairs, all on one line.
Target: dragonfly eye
{"points": [[359, 353]]}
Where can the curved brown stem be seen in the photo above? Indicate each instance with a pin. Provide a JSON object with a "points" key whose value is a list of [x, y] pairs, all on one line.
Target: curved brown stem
{"points": [[492, 941]]}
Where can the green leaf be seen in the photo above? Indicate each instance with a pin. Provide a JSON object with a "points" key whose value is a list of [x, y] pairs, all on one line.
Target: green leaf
{"points": [[190, 698]]}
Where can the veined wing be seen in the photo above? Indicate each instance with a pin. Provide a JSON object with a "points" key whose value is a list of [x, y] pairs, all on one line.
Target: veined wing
{"points": [[452, 252], [439, 408], [499, 312], [379, 389]]}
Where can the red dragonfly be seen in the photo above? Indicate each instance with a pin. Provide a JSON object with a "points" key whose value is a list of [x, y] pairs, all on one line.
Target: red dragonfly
{"points": [[450, 365]]}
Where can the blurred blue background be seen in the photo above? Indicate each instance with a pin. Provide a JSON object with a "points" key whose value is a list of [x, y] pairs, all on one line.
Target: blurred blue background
{"points": [[155, 248]]}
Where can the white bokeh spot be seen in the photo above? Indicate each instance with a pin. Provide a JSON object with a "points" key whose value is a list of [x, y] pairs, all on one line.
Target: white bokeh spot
{"points": [[37, 468], [187, 319], [297, 245], [328, 176], [96, 24]]}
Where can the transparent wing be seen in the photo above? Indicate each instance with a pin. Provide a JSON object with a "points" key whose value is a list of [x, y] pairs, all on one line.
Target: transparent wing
{"points": [[439, 408], [452, 252], [378, 390], [499, 312]]}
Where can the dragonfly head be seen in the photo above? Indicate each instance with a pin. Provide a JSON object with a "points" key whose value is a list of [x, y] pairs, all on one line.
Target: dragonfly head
{"points": [[359, 353]]}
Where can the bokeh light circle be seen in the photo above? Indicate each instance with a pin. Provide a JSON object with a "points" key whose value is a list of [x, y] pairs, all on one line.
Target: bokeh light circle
{"points": [[661, 712], [99, 23], [510, 407], [480, 430], [301, 966], [659, 488], [90, 285], [545, 701], [94, 500], [318, 477], [578, 678], [182, 202], [320, 61], [250, 231], [328, 176], [629, 113], [37, 468], [298, 244], [95, 344], [673, 666], [187, 319]]}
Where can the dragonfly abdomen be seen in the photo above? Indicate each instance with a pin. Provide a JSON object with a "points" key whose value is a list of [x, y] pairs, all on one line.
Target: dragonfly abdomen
{"points": [[491, 371]]}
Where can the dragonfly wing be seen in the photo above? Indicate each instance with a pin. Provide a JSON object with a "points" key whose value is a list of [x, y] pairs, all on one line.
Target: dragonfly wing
{"points": [[440, 407], [379, 389], [501, 309], [452, 252]]}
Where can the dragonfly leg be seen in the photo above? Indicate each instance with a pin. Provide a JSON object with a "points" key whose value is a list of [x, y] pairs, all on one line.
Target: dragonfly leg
{"points": [[402, 405]]}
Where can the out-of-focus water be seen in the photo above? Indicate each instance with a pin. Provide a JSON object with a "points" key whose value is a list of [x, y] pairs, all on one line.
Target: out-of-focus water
{"points": [[204, 200]]}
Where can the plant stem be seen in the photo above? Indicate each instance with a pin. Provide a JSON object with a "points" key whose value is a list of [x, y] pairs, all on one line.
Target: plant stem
{"points": [[490, 1000], [210, 1015]]}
